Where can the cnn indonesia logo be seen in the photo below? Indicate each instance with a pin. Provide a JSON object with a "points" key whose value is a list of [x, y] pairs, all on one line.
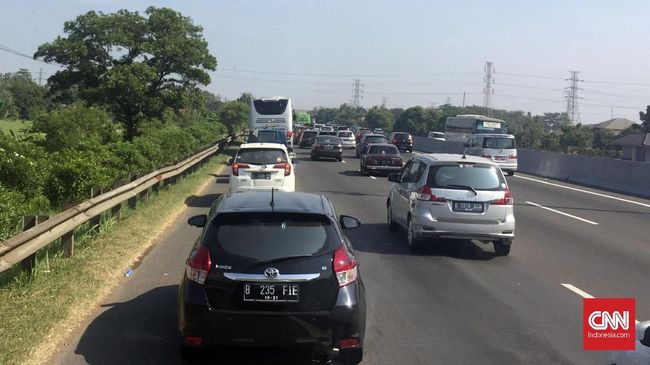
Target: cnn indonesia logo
{"points": [[608, 324]]}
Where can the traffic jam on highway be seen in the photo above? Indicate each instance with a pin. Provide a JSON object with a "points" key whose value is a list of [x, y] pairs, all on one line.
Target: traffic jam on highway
{"points": [[274, 267]]}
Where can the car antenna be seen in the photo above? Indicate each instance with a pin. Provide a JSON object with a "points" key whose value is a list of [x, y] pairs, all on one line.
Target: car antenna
{"points": [[272, 200]]}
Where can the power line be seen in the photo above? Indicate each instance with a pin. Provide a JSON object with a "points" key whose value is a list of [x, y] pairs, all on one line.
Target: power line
{"points": [[21, 54], [345, 75]]}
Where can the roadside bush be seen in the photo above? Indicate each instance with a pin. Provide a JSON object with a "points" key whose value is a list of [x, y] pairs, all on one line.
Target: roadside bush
{"points": [[11, 212], [129, 159], [206, 133], [174, 143], [22, 166]]}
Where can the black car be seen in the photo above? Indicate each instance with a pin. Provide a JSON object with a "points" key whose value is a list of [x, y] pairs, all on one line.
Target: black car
{"points": [[327, 147], [367, 139], [273, 269], [307, 138], [402, 140], [381, 157]]}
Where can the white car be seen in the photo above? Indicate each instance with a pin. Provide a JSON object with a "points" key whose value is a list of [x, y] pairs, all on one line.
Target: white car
{"points": [[262, 166], [641, 353], [347, 139], [438, 136]]}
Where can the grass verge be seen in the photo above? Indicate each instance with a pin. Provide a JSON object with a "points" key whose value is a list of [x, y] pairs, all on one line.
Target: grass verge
{"points": [[35, 310]]}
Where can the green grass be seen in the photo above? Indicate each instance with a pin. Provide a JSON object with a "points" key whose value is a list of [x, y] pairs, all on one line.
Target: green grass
{"points": [[35, 310], [17, 126]]}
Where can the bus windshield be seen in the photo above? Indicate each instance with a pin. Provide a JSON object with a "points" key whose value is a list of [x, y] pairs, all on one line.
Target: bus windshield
{"points": [[270, 107]]}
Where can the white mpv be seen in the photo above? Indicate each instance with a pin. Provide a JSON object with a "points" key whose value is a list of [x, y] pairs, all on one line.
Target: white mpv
{"points": [[262, 166]]}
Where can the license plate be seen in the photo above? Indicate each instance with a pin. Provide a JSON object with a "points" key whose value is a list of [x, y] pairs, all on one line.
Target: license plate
{"points": [[273, 293], [329, 147], [471, 207], [500, 158], [261, 175]]}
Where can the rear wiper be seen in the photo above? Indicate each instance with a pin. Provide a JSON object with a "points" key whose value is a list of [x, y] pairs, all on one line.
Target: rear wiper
{"points": [[282, 259], [466, 187]]}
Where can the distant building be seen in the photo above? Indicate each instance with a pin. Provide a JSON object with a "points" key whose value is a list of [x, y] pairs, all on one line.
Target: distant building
{"points": [[636, 147], [617, 124]]}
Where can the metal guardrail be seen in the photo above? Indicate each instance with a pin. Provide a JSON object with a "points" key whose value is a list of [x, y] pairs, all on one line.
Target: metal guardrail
{"points": [[24, 245]]}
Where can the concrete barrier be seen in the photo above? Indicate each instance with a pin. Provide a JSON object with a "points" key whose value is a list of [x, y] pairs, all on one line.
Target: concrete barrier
{"points": [[623, 176]]}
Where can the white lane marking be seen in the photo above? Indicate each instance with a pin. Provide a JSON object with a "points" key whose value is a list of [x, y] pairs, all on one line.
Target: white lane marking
{"points": [[343, 161], [584, 191], [564, 214], [415, 152], [372, 177], [582, 293]]}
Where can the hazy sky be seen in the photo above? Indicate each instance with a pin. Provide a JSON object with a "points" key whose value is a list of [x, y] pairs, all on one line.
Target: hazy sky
{"points": [[408, 52]]}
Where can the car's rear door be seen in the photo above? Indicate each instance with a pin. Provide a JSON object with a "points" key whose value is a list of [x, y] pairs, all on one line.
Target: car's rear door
{"points": [[262, 167]]}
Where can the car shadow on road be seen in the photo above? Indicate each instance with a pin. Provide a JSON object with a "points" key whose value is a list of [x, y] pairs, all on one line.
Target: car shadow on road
{"points": [[144, 330], [221, 179], [202, 201], [377, 238]]}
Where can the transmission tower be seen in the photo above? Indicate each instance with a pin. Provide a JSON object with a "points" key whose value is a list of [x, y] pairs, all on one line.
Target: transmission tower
{"points": [[356, 97], [572, 110], [488, 87], [383, 102]]}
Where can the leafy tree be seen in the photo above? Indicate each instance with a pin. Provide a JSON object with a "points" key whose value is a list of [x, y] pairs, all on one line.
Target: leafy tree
{"points": [[645, 118], [28, 98], [245, 98], [576, 136], [415, 120], [137, 66], [7, 106], [379, 117], [234, 115], [69, 126]]}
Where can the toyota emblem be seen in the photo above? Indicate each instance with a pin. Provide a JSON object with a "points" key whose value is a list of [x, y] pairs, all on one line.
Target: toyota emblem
{"points": [[271, 273]]}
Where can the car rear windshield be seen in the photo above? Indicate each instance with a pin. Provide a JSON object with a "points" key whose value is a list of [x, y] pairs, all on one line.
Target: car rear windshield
{"points": [[267, 236], [345, 134], [268, 136], [479, 177], [327, 133], [309, 134], [260, 156], [401, 136], [375, 139], [382, 150], [500, 143], [328, 140]]}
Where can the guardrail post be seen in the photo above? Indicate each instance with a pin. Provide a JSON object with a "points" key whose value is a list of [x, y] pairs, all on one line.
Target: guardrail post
{"points": [[133, 202], [67, 244], [30, 221], [95, 221]]}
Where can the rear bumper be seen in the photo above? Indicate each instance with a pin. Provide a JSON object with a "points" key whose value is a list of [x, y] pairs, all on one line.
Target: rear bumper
{"points": [[427, 226], [239, 184], [318, 331], [510, 166], [349, 144], [404, 146], [383, 168], [327, 153]]}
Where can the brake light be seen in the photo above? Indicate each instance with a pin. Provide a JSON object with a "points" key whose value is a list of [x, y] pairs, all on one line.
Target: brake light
{"points": [[198, 265], [397, 161], [286, 166], [317, 146], [345, 267], [289, 134], [425, 193], [506, 200], [486, 156], [346, 343], [394, 141], [236, 166], [370, 160], [512, 157]]}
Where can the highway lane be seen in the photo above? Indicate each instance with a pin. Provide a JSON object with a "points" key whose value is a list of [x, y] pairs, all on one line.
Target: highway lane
{"points": [[454, 303]]}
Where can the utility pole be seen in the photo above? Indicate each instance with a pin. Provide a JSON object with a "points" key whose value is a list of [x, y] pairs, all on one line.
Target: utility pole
{"points": [[463, 99], [40, 76], [488, 87], [357, 93], [383, 102], [448, 101], [572, 110], [611, 116]]}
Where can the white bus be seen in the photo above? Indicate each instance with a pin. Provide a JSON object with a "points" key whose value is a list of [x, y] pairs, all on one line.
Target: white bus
{"points": [[272, 112], [461, 127]]}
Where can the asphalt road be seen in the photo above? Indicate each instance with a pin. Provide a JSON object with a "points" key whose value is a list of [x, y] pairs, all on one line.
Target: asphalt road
{"points": [[456, 303]]}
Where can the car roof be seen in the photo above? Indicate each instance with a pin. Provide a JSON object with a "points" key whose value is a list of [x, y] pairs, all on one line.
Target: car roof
{"points": [[493, 135], [382, 145], [275, 146], [373, 135], [286, 202], [436, 158]]}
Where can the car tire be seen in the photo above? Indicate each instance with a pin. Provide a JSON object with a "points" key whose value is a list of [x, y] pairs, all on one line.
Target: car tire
{"points": [[190, 354], [313, 158], [350, 356], [414, 244], [502, 247], [511, 173], [339, 159], [392, 225]]}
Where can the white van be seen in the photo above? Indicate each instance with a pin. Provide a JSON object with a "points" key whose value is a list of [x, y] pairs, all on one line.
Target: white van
{"points": [[439, 136], [500, 148]]}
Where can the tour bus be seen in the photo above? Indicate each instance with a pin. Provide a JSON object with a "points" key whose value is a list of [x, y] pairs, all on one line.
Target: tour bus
{"points": [[274, 112], [461, 127]]}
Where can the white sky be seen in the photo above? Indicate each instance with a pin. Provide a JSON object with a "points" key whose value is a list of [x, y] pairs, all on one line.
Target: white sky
{"points": [[409, 52]]}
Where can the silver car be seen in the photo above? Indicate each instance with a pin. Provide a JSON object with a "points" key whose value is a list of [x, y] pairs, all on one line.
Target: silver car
{"points": [[452, 196], [347, 139]]}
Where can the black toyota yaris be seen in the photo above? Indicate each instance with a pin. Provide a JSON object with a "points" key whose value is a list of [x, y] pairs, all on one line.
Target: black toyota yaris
{"points": [[273, 269]]}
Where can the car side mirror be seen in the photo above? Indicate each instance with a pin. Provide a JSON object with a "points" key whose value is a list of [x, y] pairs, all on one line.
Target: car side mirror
{"points": [[349, 222], [393, 178], [198, 220], [230, 161]]}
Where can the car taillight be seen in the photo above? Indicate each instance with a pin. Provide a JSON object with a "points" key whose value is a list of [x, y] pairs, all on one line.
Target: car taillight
{"points": [[346, 343], [317, 146], [425, 193], [289, 134], [394, 141], [345, 267], [397, 161], [370, 160], [339, 146], [198, 265], [506, 200], [286, 166], [512, 157], [236, 166], [410, 140], [486, 156]]}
